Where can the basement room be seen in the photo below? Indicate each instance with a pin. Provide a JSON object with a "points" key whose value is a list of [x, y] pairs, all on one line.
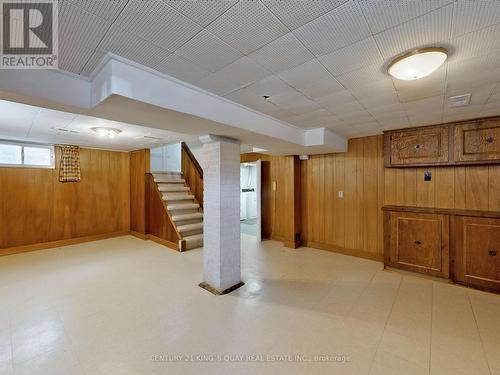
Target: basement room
{"points": [[250, 187]]}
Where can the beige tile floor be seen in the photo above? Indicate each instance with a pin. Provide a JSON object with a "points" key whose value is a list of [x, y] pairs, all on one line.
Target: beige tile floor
{"points": [[108, 307]]}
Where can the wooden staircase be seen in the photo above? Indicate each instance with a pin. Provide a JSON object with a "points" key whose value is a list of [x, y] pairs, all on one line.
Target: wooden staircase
{"points": [[182, 207]]}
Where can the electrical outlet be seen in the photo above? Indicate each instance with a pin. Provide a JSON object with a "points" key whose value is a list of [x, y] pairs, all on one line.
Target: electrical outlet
{"points": [[341, 194], [427, 176]]}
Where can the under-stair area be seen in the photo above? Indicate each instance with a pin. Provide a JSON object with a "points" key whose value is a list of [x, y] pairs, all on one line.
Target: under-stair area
{"points": [[182, 207]]}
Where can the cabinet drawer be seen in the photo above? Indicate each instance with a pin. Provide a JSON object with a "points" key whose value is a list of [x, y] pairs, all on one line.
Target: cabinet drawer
{"points": [[477, 141], [419, 146], [477, 252], [419, 242]]}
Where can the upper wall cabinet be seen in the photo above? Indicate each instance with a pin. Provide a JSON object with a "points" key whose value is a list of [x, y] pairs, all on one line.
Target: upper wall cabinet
{"points": [[470, 142], [477, 141], [419, 146]]}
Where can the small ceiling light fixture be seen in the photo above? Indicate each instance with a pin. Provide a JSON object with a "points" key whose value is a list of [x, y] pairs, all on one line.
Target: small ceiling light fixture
{"points": [[107, 132], [417, 64]]}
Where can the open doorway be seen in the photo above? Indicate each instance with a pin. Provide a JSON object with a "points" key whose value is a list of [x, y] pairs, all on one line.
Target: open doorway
{"points": [[250, 199]]}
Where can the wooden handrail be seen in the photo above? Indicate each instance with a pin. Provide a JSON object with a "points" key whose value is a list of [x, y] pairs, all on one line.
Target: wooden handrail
{"points": [[192, 173]]}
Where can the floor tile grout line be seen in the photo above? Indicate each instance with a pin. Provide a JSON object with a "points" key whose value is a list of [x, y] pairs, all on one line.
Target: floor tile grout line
{"points": [[385, 325], [479, 332]]}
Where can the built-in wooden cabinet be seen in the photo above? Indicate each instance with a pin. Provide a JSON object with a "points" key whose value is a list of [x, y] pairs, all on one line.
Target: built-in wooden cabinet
{"points": [[419, 146], [477, 141], [477, 251], [461, 245], [469, 142], [418, 242]]}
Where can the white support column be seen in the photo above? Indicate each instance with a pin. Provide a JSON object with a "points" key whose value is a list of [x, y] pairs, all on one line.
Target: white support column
{"points": [[221, 222]]}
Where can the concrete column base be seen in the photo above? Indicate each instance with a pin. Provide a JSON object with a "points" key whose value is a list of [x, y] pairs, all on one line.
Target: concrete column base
{"points": [[218, 292]]}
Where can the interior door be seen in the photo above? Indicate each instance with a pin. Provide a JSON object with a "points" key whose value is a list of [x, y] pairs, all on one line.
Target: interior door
{"points": [[258, 192]]}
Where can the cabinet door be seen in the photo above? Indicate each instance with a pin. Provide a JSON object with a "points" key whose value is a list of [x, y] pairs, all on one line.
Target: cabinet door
{"points": [[477, 141], [419, 146], [477, 252], [420, 243]]}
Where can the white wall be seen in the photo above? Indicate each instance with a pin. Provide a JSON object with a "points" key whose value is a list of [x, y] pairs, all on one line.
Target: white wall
{"points": [[166, 158]]}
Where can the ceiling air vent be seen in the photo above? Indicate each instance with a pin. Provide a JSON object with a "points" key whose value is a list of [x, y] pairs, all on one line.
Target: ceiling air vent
{"points": [[459, 100]]}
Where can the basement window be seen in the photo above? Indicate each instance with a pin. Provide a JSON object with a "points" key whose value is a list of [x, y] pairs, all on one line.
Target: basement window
{"points": [[26, 155]]}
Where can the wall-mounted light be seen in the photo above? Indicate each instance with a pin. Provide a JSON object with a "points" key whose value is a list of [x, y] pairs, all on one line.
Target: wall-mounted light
{"points": [[106, 132], [417, 64]]}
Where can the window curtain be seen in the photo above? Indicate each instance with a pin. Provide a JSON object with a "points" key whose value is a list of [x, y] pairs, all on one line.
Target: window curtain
{"points": [[69, 170]]}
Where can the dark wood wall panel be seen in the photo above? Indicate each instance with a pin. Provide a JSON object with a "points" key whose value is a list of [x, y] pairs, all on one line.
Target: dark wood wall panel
{"points": [[36, 208], [139, 167]]}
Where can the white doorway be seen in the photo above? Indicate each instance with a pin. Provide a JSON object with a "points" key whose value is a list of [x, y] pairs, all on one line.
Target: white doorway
{"points": [[250, 199]]}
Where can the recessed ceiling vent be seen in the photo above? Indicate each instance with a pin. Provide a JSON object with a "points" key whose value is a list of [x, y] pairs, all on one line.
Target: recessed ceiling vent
{"points": [[459, 100]]}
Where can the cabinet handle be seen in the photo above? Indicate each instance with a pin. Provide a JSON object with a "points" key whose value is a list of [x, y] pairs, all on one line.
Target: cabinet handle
{"points": [[418, 147], [492, 253], [490, 139], [417, 242]]}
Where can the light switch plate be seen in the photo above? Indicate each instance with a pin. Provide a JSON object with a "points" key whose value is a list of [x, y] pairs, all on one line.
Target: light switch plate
{"points": [[341, 194]]}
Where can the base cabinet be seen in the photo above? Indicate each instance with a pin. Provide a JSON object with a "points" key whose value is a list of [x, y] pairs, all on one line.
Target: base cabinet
{"points": [[419, 242], [445, 243], [476, 255]]}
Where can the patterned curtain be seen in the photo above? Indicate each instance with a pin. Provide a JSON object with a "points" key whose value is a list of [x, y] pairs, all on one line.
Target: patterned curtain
{"points": [[69, 170]]}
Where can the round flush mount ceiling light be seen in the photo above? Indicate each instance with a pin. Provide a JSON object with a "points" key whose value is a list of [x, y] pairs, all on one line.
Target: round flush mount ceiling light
{"points": [[106, 132], [417, 64]]}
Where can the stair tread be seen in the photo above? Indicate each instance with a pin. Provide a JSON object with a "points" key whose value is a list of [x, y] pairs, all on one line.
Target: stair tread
{"points": [[172, 188], [194, 237], [166, 180], [188, 227], [195, 215], [181, 206], [177, 196]]}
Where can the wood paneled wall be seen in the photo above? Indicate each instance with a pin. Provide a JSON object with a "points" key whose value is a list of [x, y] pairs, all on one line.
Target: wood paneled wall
{"points": [[192, 173], [36, 208], [281, 218], [353, 224], [139, 166]]}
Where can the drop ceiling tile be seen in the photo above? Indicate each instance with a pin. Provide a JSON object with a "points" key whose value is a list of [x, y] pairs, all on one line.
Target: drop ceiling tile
{"points": [[294, 102], [217, 84], [382, 15], [336, 99], [470, 15], [73, 57], [425, 106], [132, 47], [281, 54], [209, 52], [316, 90], [427, 30], [342, 26], [295, 13], [270, 86], [468, 82], [383, 98], [382, 86], [16, 118], [92, 63], [178, 67], [481, 42], [104, 9], [362, 77], [459, 68], [158, 23], [355, 56], [479, 95], [244, 71], [305, 74], [77, 26], [433, 85], [389, 110], [244, 96], [247, 26], [357, 117], [201, 12], [343, 108], [234, 76], [470, 110]]}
